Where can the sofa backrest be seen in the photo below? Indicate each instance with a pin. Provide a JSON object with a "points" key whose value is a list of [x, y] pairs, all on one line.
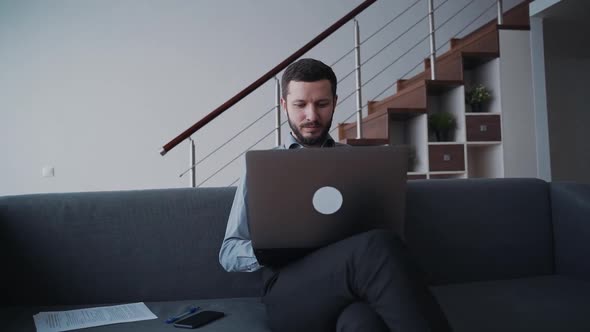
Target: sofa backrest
{"points": [[151, 245], [570, 207], [480, 229], [104, 247]]}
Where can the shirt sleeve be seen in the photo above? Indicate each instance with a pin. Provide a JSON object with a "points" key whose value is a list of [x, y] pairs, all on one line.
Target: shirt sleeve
{"points": [[236, 253]]}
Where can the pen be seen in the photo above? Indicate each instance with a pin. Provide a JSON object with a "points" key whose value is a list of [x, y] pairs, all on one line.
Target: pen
{"points": [[173, 319]]}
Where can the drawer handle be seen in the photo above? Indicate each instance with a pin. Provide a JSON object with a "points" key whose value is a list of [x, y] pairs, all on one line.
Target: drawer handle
{"points": [[483, 128], [447, 157]]}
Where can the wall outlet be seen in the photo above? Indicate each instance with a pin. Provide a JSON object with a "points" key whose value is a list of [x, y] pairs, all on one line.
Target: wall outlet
{"points": [[48, 172]]}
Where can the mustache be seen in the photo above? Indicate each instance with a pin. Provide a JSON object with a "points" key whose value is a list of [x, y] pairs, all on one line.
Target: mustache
{"points": [[314, 124]]}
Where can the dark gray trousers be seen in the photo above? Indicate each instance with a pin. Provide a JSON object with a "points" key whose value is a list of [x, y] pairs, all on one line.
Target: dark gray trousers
{"points": [[362, 283]]}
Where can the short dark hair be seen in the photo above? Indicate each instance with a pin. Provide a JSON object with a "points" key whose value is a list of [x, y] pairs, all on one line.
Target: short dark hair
{"points": [[307, 70]]}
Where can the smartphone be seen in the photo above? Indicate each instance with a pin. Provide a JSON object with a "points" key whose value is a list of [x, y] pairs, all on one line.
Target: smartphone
{"points": [[199, 319]]}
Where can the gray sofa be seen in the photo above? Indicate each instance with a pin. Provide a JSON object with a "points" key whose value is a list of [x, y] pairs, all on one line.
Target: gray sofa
{"points": [[500, 255]]}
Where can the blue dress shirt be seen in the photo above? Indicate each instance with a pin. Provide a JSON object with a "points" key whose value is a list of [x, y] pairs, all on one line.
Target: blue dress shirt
{"points": [[236, 254]]}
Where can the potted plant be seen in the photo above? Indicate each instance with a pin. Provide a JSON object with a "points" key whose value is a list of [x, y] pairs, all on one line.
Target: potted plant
{"points": [[477, 96], [442, 125]]}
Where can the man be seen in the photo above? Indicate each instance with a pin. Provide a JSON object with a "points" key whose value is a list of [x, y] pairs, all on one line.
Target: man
{"points": [[362, 283]]}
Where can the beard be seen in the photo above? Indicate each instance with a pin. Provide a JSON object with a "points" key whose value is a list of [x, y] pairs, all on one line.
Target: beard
{"points": [[310, 141]]}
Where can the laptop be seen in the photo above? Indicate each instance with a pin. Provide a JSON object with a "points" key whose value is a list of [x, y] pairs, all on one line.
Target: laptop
{"points": [[300, 200]]}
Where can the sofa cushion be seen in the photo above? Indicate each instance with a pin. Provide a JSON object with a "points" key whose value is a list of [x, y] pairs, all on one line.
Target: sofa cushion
{"points": [[106, 247], [480, 229], [242, 314], [547, 303]]}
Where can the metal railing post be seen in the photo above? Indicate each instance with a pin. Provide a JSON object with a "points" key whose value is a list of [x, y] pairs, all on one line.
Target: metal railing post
{"points": [[278, 112], [500, 12], [432, 40], [193, 157], [359, 98]]}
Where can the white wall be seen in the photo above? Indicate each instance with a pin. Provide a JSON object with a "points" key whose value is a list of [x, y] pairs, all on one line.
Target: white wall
{"points": [[518, 117], [540, 98], [95, 88]]}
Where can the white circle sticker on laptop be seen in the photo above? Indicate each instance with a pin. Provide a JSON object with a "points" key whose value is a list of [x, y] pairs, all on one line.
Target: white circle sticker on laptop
{"points": [[327, 200]]}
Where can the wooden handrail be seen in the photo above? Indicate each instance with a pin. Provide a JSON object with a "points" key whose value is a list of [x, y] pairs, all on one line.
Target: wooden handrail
{"points": [[273, 72]]}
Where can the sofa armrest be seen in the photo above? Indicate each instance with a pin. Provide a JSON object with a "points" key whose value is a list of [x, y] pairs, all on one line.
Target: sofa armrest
{"points": [[570, 205]]}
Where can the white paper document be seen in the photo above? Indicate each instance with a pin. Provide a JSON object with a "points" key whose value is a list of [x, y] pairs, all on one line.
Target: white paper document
{"points": [[55, 321]]}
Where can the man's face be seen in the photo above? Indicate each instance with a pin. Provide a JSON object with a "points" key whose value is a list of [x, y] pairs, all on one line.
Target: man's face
{"points": [[310, 107]]}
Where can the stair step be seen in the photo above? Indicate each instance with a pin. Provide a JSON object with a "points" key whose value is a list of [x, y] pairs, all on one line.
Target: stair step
{"points": [[476, 37], [514, 27], [474, 59], [437, 87], [482, 40], [401, 83], [412, 96], [518, 15], [374, 126], [403, 114], [449, 65], [365, 141]]}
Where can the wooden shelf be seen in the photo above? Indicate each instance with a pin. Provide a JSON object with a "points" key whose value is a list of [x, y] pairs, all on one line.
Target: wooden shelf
{"points": [[514, 27], [445, 143], [474, 59], [403, 114], [447, 173], [437, 87], [483, 143], [482, 113]]}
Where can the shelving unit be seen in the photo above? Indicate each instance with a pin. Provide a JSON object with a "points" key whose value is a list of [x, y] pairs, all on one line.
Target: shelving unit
{"points": [[484, 129], [484, 144], [475, 148]]}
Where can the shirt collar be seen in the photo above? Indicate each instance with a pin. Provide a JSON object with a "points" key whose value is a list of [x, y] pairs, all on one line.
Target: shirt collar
{"points": [[292, 143]]}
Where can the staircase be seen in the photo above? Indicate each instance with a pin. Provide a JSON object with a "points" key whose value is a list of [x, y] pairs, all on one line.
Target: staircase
{"points": [[402, 117]]}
